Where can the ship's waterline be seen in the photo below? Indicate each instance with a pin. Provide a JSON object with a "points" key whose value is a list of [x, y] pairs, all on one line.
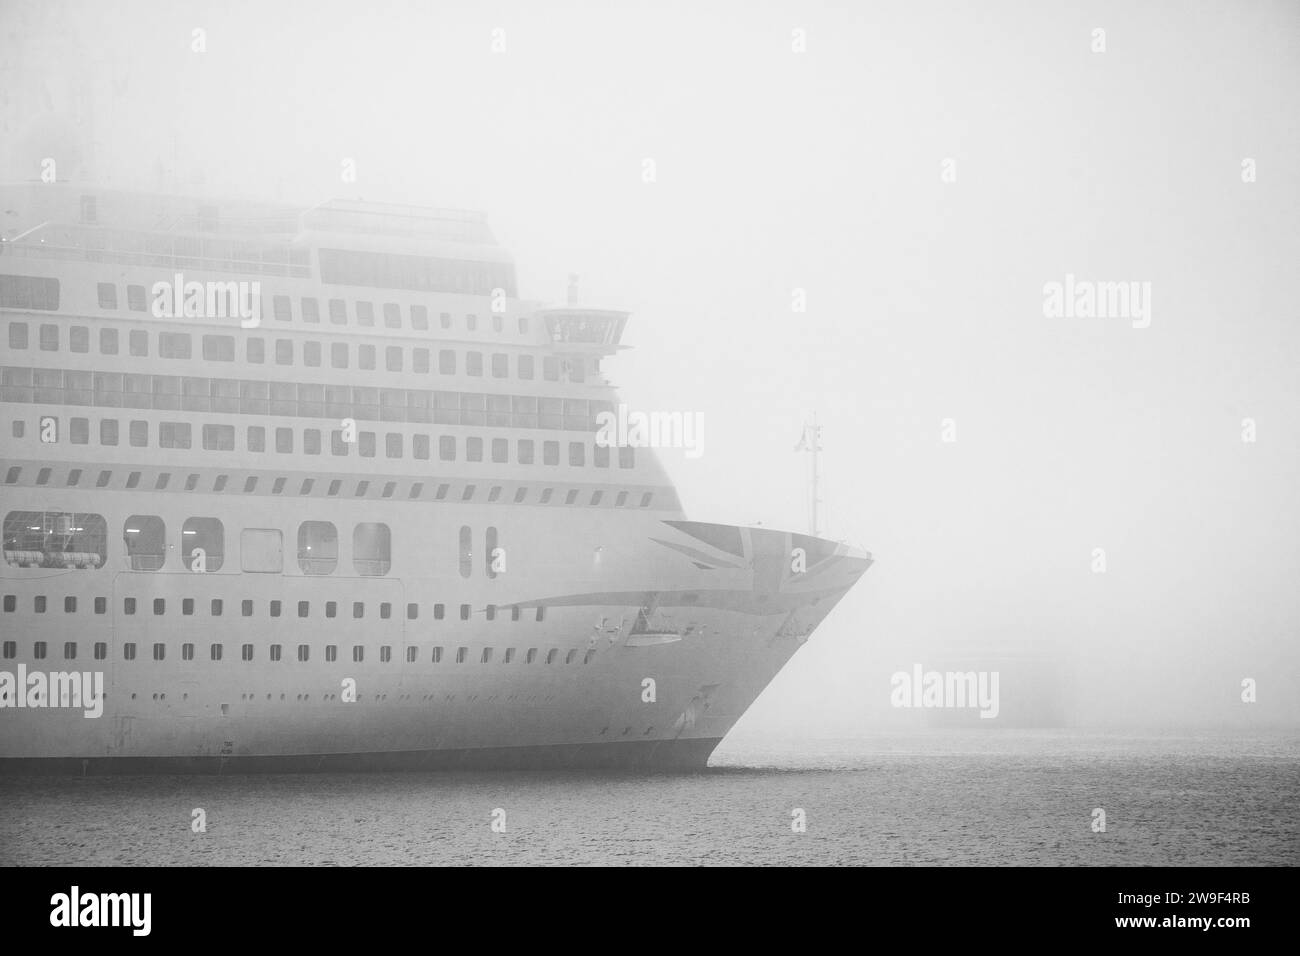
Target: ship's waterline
{"points": [[382, 529]]}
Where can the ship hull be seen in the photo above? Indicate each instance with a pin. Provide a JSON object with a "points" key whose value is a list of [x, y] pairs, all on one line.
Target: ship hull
{"points": [[647, 666], [636, 755]]}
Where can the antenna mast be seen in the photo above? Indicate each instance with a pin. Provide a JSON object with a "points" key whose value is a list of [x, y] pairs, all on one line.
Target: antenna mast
{"points": [[811, 442]]}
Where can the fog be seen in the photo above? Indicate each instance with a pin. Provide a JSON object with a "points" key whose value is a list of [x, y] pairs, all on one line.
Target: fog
{"points": [[919, 172]]}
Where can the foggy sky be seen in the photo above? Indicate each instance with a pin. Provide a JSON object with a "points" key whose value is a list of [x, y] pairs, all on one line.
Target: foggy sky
{"points": [[821, 171]]}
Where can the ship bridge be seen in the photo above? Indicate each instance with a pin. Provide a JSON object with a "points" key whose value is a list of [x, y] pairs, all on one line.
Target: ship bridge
{"points": [[584, 330]]}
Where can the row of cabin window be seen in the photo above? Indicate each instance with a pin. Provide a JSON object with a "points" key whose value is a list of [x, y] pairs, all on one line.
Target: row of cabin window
{"points": [[203, 545], [48, 538], [275, 652], [54, 386], [222, 348], [333, 490], [222, 438], [309, 310], [40, 604]]}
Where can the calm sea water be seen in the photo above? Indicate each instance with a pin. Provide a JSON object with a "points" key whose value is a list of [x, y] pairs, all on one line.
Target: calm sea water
{"points": [[937, 798]]}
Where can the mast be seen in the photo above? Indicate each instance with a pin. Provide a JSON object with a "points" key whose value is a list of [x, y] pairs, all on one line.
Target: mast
{"points": [[811, 441]]}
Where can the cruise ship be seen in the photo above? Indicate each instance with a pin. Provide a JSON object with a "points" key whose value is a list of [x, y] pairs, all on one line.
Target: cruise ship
{"points": [[365, 520]]}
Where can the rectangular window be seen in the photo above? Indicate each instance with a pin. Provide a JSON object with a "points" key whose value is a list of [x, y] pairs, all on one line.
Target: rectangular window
{"points": [[577, 454], [365, 313], [262, 551], [551, 452], [366, 357], [473, 363], [173, 434], [256, 351], [108, 341], [446, 362], [371, 549], [500, 365], [79, 338], [338, 312], [29, 292], [420, 447], [525, 366], [392, 315], [525, 449], [310, 310], [447, 448], [419, 318], [473, 449], [339, 355], [219, 437], [393, 445], [281, 308], [284, 441], [284, 351], [174, 345], [138, 343], [49, 338], [311, 354], [311, 441], [393, 358], [256, 438], [219, 348], [107, 295]]}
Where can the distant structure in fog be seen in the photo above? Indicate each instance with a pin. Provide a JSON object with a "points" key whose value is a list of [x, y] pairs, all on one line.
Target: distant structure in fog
{"points": [[1032, 686]]}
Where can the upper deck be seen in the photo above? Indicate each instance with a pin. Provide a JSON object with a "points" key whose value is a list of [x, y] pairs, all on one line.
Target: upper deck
{"points": [[446, 369]]}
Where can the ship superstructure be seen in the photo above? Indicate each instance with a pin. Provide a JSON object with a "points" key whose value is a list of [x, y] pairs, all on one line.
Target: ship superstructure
{"points": [[337, 501]]}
